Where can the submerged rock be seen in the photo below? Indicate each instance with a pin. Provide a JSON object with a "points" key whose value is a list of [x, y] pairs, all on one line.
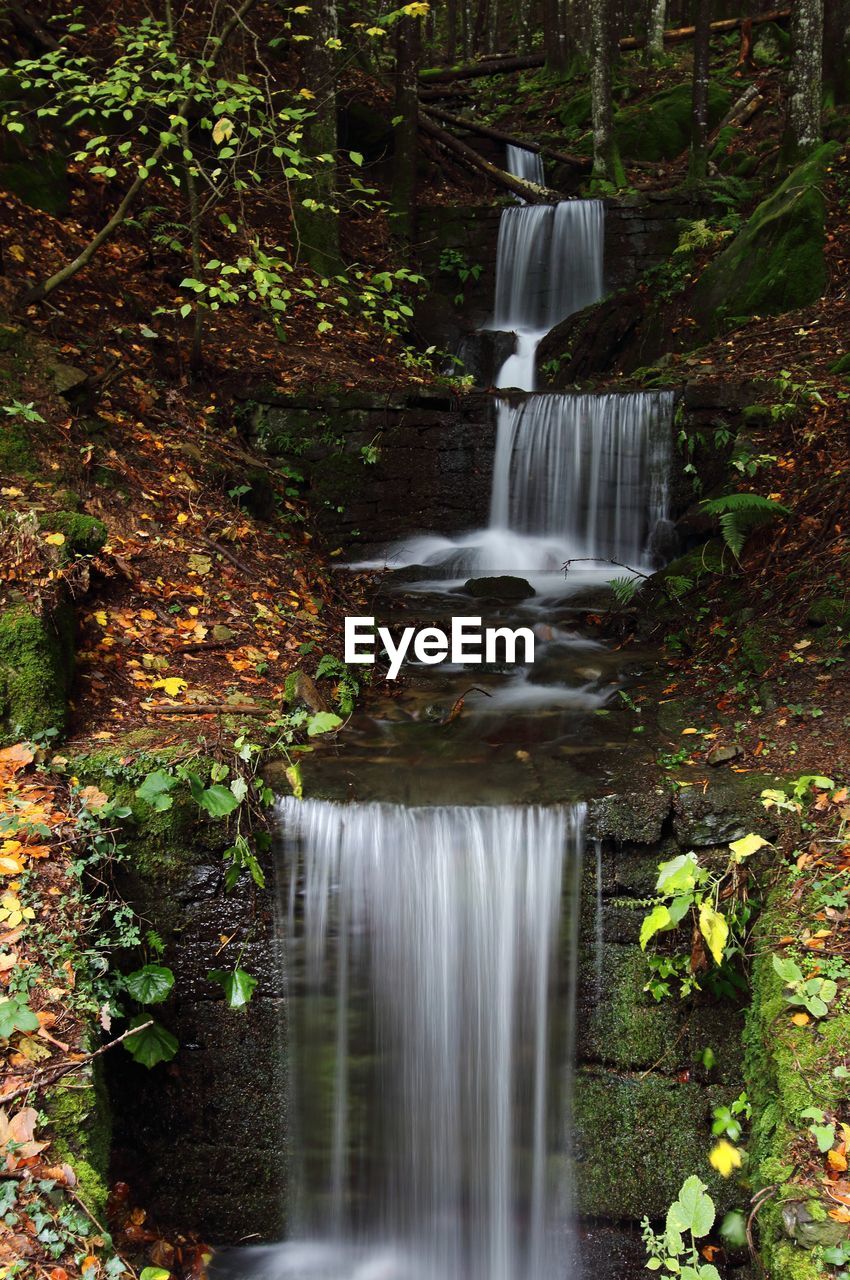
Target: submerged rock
{"points": [[503, 587]]}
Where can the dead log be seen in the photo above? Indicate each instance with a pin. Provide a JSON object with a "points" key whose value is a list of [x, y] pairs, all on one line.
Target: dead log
{"points": [[486, 131], [527, 191], [527, 62]]}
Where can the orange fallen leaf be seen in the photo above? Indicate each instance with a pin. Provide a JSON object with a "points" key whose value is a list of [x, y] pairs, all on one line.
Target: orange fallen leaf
{"points": [[837, 1160], [800, 1019]]}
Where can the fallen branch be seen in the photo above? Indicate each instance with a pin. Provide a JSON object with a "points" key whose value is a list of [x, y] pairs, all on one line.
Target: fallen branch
{"points": [[486, 131], [502, 66], [527, 191], [49, 1077], [228, 555], [183, 109], [746, 106]]}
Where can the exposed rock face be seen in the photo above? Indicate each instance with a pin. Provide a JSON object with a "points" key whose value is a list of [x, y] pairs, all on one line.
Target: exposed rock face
{"points": [[378, 467]]}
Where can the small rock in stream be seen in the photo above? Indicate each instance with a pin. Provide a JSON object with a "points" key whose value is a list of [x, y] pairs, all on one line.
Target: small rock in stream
{"points": [[723, 755], [502, 587]]}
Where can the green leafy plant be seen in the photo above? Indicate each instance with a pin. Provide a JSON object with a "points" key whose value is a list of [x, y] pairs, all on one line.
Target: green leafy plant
{"points": [[740, 514], [16, 1015], [689, 1219], [728, 1122], [812, 994], [687, 891]]}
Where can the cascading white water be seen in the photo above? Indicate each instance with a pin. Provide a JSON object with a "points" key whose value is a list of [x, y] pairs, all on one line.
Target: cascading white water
{"points": [[431, 991], [525, 164], [588, 471], [575, 477]]}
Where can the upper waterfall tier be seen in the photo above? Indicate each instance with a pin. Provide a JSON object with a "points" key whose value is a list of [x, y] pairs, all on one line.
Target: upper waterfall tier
{"points": [[525, 164], [549, 263]]}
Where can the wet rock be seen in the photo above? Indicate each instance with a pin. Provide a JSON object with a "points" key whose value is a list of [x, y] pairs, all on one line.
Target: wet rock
{"points": [[301, 690], [502, 587], [723, 755], [809, 1231], [629, 816], [723, 812]]}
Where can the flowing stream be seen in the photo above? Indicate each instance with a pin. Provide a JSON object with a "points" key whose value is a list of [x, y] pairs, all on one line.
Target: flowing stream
{"points": [[431, 933]]}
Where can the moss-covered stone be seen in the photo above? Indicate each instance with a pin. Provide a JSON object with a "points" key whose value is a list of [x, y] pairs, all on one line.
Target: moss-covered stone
{"points": [[787, 1069], [84, 535], [627, 1028], [636, 817], [36, 665], [829, 611], [636, 1139], [777, 261], [660, 127], [81, 1127]]}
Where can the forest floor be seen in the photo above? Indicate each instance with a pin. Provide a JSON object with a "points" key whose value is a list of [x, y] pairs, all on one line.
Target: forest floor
{"points": [[204, 597]]}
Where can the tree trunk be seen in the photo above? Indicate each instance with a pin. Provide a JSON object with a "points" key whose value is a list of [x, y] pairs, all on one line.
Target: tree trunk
{"points": [[836, 51], [607, 166], [553, 36], [408, 35], [451, 32], [655, 30], [699, 100], [314, 209], [803, 129]]}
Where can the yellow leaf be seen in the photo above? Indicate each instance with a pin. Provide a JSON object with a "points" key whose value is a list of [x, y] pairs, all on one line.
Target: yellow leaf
{"points": [[148, 615], [11, 492], [55, 539], [223, 130], [171, 684], [684, 731], [93, 798], [800, 1019], [15, 251], [10, 865], [724, 1158], [746, 846], [100, 617], [306, 93], [182, 518], [714, 928], [837, 1160]]}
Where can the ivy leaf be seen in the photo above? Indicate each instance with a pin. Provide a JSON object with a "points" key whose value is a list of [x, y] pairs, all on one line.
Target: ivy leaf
{"points": [[151, 984], [747, 846], [16, 1015], [714, 927], [657, 920], [237, 985], [788, 971], [693, 1211], [678, 875], [323, 722], [151, 1046], [218, 801], [155, 788]]}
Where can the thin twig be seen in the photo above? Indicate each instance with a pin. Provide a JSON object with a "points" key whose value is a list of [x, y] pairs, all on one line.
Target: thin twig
{"points": [[51, 1076]]}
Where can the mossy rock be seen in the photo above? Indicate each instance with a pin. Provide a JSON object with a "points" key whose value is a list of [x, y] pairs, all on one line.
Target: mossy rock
{"points": [[841, 365], [81, 1127], [626, 1028], [36, 665], [17, 454], [776, 263], [829, 611], [578, 112], [84, 535], [660, 127], [636, 1140], [787, 1069]]}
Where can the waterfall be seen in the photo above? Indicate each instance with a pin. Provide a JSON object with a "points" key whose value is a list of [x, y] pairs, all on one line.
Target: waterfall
{"points": [[587, 470], [549, 264], [525, 164], [431, 985]]}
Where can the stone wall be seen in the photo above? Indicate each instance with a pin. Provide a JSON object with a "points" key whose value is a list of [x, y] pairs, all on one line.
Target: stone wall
{"points": [[426, 466], [643, 1098]]}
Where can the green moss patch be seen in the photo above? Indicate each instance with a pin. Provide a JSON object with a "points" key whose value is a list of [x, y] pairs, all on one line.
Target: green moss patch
{"points": [[84, 535], [80, 1121], [776, 263], [660, 127], [36, 664]]}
